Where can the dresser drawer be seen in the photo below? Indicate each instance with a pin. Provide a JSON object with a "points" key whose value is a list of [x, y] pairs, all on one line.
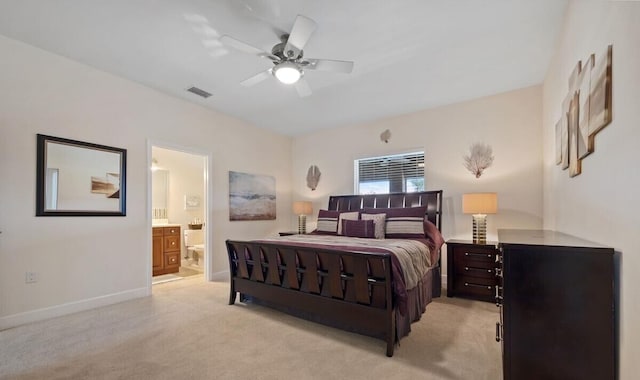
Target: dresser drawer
{"points": [[171, 243], [171, 231], [172, 260]]}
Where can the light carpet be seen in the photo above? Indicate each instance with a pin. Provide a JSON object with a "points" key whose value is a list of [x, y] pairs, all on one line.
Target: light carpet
{"points": [[186, 330]]}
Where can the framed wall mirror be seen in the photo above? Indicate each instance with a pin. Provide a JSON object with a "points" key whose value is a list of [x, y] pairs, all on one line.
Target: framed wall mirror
{"points": [[76, 178]]}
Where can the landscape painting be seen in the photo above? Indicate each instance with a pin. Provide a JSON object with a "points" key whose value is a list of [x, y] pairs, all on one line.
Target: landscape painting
{"points": [[251, 197]]}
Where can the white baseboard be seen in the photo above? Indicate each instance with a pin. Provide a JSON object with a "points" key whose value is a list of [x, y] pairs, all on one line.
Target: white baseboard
{"points": [[220, 276], [19, 319]]}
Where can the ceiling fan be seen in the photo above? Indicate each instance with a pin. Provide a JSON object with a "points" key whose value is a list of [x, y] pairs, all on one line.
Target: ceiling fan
{"points": [[287, 57]]}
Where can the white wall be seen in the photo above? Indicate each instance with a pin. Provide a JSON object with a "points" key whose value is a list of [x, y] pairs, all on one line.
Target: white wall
{"points": [[89, 261], [599, 203], [509, 122]]}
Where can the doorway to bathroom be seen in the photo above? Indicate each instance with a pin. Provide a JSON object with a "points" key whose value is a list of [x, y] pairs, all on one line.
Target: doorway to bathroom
{"points": [[178, 193]]}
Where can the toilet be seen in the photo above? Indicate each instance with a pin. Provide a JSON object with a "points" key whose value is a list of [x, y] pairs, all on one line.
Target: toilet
{"points": [[194, 242]]}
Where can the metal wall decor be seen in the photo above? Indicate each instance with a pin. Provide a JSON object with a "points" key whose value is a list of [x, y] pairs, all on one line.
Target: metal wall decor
{"points": [[313, 177]]}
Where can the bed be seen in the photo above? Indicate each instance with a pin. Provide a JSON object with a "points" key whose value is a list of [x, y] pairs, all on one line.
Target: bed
{"points": [[349, 283]]}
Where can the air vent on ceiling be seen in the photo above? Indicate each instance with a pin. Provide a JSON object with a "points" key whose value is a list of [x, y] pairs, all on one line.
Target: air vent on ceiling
{"points": [[199, 92]]}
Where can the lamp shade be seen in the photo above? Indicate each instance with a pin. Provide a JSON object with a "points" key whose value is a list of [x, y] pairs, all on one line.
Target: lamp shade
{"points": [[302, 208], [287, 72], [480, 203]]}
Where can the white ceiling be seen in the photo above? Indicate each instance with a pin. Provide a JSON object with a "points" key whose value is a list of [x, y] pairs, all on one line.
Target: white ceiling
{"points": [[409, 54]]}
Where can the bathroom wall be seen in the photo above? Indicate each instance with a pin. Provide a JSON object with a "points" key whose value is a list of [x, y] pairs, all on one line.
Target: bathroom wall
{"points": [[186, 177], [84, 262]]}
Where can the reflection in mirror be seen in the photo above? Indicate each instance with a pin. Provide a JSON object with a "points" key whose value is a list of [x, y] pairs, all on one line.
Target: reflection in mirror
{"points": [[51, 190], [77, 178], [160, 195]]}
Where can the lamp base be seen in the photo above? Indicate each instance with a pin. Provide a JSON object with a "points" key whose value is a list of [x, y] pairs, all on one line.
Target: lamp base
{"points": [[479, 228], [302, 224]]}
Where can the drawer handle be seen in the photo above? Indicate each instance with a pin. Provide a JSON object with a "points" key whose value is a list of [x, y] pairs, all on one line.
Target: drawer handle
{"points": [[173, 243], [477, 286], [478, 269], [478, 254], [497, 331]]}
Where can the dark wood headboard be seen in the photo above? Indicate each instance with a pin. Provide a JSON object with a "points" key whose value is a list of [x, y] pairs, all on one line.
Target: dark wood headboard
{"points": [[431, 199]]}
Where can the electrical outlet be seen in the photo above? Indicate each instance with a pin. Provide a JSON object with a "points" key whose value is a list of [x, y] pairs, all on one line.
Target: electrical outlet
{"points": [[30, 277]]}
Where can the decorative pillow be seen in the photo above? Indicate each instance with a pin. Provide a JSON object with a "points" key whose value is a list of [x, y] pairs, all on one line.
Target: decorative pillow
{"points": [[355, 215], [327, 222], [402, 223], [379, 221], [358, 228], [432, 234]]}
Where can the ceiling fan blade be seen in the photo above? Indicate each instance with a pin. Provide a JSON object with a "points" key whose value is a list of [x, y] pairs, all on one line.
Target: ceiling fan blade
{"points": [[302, 29], [303, 88], [259, 77], [330, 65], [245, 47]]}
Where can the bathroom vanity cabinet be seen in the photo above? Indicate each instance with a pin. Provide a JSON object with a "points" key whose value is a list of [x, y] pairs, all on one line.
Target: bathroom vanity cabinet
{"points": [[166, 249]]}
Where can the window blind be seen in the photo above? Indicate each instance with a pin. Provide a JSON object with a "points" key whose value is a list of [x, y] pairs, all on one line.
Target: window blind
{"points": [[396, 170]]}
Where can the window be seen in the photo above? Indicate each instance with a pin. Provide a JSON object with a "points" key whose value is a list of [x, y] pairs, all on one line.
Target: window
{"points": [[390, 174]]}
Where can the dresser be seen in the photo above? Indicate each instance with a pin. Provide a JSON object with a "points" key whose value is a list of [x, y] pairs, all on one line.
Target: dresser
{"points": [[557, 307], [166, 249], [471, 269]]}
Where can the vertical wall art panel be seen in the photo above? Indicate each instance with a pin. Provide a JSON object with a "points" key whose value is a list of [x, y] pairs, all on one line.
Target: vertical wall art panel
{"points": [[600, 111], [575, 166], [585, 111], [251, 197], [585, 145]]}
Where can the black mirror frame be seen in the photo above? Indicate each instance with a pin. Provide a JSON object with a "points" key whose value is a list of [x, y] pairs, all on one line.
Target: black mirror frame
{"points": [[41, 173]]}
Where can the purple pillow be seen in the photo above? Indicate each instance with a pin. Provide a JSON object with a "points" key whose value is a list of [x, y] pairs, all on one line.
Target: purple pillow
{"points": [[327, 222], [432, 234], [402, 222], [358, 228]]}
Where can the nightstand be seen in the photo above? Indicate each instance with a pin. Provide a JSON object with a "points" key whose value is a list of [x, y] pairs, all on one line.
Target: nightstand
{"points": [[471, 269], [288, 233]]}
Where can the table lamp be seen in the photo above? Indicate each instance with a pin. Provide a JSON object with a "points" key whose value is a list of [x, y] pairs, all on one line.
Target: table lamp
{"points": [[302, 209], [479, 205]]}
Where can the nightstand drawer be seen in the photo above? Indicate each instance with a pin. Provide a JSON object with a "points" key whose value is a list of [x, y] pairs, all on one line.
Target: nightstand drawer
{"points": [[474, 286], [465, 254], [485, 270]]}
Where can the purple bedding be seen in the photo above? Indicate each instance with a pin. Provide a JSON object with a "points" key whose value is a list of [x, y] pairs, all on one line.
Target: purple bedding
{"points": [[409, 303]]}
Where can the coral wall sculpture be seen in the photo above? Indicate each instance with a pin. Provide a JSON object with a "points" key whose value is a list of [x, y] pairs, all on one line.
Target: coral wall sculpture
{"points": [[479, 158]]}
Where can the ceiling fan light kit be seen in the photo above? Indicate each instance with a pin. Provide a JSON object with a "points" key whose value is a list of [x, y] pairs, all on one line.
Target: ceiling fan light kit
{"points": [[287, 57], [287, 72]]}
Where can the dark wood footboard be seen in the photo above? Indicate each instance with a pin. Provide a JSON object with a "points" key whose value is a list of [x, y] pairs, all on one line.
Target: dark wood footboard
{"points": [[348, 290]]}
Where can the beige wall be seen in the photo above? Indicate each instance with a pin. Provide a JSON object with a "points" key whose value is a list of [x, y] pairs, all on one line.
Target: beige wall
{"points": [[599, 203], [89, 261], [509, 122]]}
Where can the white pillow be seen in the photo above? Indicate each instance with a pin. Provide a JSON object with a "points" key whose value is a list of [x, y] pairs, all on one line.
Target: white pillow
{"points": [[349, 216], [379, 221]]}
